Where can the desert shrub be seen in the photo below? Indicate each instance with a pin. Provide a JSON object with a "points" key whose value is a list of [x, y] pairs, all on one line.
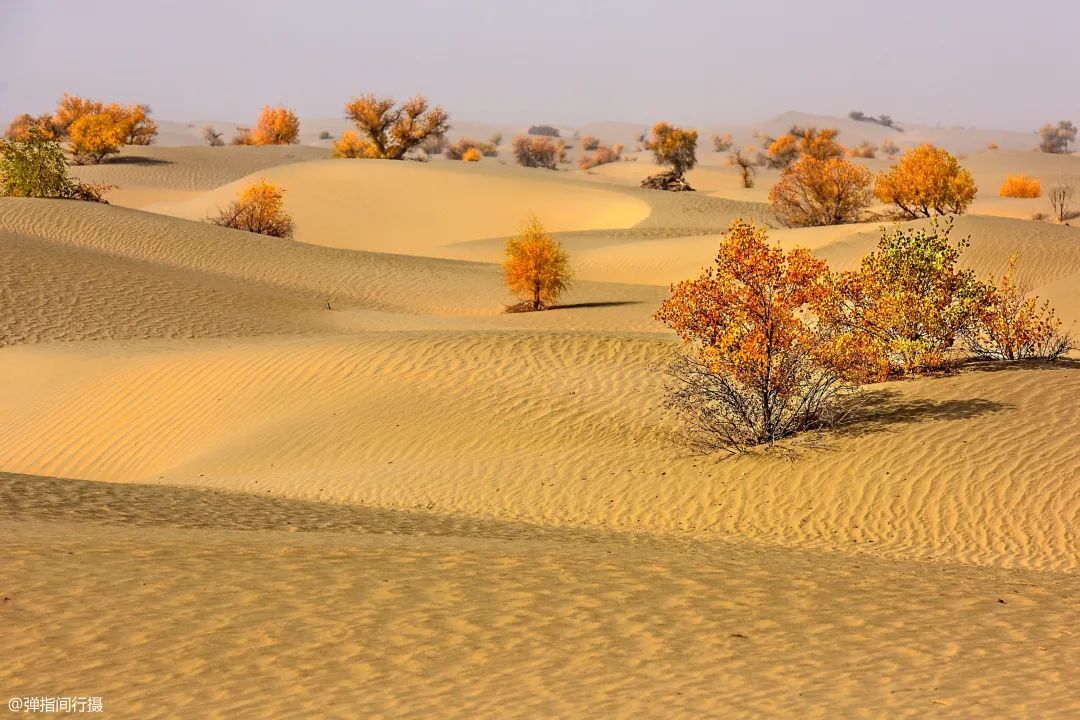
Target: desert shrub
{"points": [[537, 268], [94, 137], [325, 135], [260, 208], [821, 192], [674, 147], [992, 146], [907, 304], [1056, 138], [496, 139], [864, 149], [457, 150], [890, 148], [243, 136], [756, 365], [72, 107], [471, 155], [542, 152], [35, 166], [590, 142], [140, 129], [743, 159], [1013, 325], [721, 143], [783, 151], [276, 126], [818, 144], [1060, 196], [26, 126], [1020, 186], [602, 156], [926, 181], [133, 121], [543, 130], [389, 132], [212, 136]]}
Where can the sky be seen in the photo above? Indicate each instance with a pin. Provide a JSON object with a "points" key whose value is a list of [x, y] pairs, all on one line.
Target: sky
{"points": [[989, 63]]}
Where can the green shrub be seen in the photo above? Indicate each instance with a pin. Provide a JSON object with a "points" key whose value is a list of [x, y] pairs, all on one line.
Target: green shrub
{"points": [[37, 167]]}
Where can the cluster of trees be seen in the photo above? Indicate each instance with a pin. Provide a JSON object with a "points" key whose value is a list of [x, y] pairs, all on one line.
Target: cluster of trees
{"points": [[883, 120], [774, 342], [823, 188], [1056, 138], [93, 130]]}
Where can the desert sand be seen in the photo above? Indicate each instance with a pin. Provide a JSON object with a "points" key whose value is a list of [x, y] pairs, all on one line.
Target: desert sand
{"points": [[329, 477]]}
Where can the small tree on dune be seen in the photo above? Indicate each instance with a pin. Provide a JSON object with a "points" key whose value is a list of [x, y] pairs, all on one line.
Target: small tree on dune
{"points": [[1012, 325], [139, 128], [94, 137], [744, 160], [471, 155], [821, 192], [260, 208], [1060, 196], [674, 147], [389, 132], [721, 143], [1056, 138], [212, 136], [907, 304], [818, 144], [540, 151], [783, 151], [35, 166], [602, 156], [537, 268], [276, 126], [926, 181], [757, 366], [1020, 186]]}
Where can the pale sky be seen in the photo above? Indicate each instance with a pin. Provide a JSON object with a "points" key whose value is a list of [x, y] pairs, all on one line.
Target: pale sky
{"points": [[991, 64]]}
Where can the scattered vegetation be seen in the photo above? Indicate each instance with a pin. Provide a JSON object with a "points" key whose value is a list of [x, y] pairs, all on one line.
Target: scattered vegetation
{"points": [[543, 130], [602, 156], [1014, 326], [260, 208], [802, 142], [1056, 138], [757, 366], [389, 132], [890, 148], [926, 181], [212, 136], [35, 166], [276, 126], [1020, 186], [864, 149], [541, 152], [744, 160], [457, 150], [821, 192], [674, 147], [590, 142], [1060, 196], [721, 143], [325, 135], [883, 120], [536, 267]]}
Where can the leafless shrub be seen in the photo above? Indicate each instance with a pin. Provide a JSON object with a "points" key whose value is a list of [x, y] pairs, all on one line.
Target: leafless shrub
{"points": [[721, 143], [212, 136], [1060, 196]]}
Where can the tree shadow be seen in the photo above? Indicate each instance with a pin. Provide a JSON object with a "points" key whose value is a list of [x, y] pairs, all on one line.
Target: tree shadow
{"points": [[137, 160], [879, 410], [611, 303], [993, 366]]}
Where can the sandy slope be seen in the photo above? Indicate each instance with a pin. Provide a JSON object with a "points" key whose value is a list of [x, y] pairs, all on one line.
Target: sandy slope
{"points": [[570, 558]]}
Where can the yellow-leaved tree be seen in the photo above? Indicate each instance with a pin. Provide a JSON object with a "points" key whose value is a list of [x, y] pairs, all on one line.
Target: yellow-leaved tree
{"points": [[674, 147], [926, 181], [95, 136], [260, 208], [537, 267], [389, 132], [276, 126]]}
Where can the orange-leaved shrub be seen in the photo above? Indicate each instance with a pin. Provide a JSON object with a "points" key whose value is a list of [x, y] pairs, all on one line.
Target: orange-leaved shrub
{"points": [[538, 151], [821, 192], [907, 304], [537, 267], [471, 155], [457, 150], [589, 142], [674, 147], [133, 121], [1012, 325], [26, 126], [602, 156], [926, 181], [1020, 186], [387, 131], [276, 126], [757, 365], [260, 208], [93, 137]]}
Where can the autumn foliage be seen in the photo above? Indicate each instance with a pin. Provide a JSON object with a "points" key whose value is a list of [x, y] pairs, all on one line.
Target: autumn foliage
{"points": [[1020, 186], [260, 208], [601, 156], [821, 192], [907, 304], [539, 151], [276, 126], [93, 129], [537, 268], [457, 150], [94, 137], [674, 147], [926, 181], [387, 131], [1013, 325], [471, 155], [757, 365]]}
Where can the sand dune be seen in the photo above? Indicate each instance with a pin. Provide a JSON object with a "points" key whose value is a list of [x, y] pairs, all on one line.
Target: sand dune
{"points": [[265, 453]]}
